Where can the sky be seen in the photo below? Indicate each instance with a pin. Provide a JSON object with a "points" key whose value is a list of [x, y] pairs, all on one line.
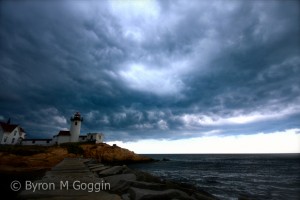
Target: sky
{"points": [[155, 76]]}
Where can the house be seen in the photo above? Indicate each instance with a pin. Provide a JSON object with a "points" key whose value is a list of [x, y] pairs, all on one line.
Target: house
{"points": [[11, 133], [95, 137], [92, 137]]}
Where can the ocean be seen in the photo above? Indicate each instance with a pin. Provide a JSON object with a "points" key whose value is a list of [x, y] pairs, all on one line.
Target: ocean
{"points": [[255, 176]]}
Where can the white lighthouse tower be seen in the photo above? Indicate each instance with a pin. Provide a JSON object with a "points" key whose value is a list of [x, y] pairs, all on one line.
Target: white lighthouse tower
{"points": [[75, 127]]}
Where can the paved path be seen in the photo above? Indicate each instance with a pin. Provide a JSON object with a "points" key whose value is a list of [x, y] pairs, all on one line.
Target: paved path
{"points": [[70, 179]]}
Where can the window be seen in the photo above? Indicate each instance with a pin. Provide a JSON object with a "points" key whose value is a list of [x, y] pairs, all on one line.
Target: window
{"points": [[13, 140], [5, 139], [15, 133], [33, 141], [75, 123]]}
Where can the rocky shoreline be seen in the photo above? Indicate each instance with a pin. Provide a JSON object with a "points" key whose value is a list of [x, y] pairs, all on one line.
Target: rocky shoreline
{"points": [[124, 183], [138, 185], [35, 158], [90, 163]]}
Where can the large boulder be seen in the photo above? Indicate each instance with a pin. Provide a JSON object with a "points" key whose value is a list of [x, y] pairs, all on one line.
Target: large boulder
{"points": [[111, 171], [98, 169], [121, 182]]}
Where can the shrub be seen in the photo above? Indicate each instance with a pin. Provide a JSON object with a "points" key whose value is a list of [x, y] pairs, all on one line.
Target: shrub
{"points": [[22, 150], [74, 148]]}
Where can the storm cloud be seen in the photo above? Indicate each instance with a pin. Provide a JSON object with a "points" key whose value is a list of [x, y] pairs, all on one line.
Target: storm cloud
{"points": [[151, 69]]}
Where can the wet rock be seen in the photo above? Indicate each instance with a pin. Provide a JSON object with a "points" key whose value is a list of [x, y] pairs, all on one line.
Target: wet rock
{"points": [[165, 159], [120, 183], [111, 171], [203, 196], [67, 195], [125, 196], [147, 185], [170, 194], [93, 166], [124, 183], [98, 169]]}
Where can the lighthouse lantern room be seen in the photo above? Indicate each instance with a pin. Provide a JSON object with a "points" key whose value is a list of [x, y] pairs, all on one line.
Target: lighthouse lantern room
{"points": [[75, 127]]}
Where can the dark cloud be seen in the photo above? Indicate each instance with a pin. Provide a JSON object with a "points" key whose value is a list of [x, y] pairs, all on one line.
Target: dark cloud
{"points": [[167, 69]]}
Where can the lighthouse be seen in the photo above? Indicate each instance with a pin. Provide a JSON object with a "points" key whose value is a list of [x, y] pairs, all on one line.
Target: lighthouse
{"points": [[75, 127]]}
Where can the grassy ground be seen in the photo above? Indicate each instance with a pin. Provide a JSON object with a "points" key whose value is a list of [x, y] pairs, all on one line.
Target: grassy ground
{"points": [[23, 150]]}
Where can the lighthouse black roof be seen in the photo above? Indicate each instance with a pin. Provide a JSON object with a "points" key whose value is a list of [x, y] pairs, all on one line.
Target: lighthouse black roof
{"points": [[64, 133], [76, 117]]}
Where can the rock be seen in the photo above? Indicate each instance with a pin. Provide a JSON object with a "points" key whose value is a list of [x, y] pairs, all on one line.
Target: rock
{"points": [[99, 169], [121, 182], [125, 196], [127, 170], [68, 180], [147, 185], [67, 195], [52, 155], [109, 154], [170, 194], [95, 166], [92, 164], [203, 196], [112, 171], [165, 159]]}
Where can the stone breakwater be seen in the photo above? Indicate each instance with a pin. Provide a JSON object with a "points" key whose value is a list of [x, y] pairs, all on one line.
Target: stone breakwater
{"points": [[76, 178]]}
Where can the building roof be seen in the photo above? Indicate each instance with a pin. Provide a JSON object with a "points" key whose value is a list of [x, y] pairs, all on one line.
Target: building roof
{"points": [[8, 127], [22, 130], [64, 133]]}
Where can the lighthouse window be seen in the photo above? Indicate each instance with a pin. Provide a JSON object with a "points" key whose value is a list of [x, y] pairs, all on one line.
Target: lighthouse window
{"points": [[75, 123]]}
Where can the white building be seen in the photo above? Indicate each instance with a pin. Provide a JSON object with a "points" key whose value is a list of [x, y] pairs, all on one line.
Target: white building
{"points": [[95, 137], [43, 142], [62, 137], [68, 136], [11, 133]]}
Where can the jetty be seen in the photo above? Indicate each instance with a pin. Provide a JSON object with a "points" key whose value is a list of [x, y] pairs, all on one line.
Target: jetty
{"points": [[82, 179], [70, 179]]}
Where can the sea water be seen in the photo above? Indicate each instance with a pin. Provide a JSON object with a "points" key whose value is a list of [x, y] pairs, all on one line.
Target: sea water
{"points": [[256, 176]]}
